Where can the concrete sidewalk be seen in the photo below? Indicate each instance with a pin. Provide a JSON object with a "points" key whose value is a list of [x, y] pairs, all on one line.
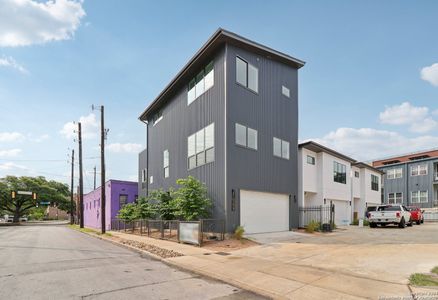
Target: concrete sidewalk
{"points": [[291, 270]]}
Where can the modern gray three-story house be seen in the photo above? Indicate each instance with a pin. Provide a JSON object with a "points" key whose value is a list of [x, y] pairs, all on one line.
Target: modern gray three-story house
{"points": [[411, 179], [230, 119]]}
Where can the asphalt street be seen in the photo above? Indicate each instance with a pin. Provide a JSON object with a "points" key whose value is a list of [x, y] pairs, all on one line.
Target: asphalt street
{"points": [[56, 262]]}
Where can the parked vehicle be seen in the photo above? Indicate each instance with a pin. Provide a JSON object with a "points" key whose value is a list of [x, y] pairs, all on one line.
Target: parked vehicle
{"points": [[416, 214], [369, 208], [9, 218], [390, 214], [23, 219]]}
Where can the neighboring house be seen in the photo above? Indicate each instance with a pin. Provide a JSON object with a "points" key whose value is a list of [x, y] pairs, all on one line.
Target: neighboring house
{"points": [[54, 213], [230, 119], [117, 194], [327, 176], [411, 179]]}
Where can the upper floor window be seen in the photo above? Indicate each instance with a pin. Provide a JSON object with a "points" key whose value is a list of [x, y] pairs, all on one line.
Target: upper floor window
{"points": [[356, 174], [246, 136], [201, 83], [394, 173], [419, 197], [394, 198], [310, 160], [339, 172], [123, 199], [285, 91], [151, 179], [419, 170], [247, 75], [281, 148], [157, 117], [143, 175], [200, 147], [374, 182], [166, 163]]}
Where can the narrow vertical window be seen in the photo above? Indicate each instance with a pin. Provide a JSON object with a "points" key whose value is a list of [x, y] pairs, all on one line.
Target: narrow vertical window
{"points": [[123, 200], [240, 135], [241, 76], [253, 78], [285, 149], [277, 147], [252, 138], [166, 163], [285, 91], [200, 88]]}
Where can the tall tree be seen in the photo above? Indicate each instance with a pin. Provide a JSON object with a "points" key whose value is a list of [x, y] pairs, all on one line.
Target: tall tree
{"points": [[48, 191]]}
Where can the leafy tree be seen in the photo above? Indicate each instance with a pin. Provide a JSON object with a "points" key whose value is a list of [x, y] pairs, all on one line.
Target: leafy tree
{"points": [[129, 212], [146, 208], [50, 191], [164, 204], [191, 201]]}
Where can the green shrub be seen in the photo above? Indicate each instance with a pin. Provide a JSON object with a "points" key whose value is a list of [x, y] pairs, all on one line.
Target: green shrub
{"points": [[145, 208], [163, 203], [191, 201], [423, 280], [435, 270], [313, 226], [129, 212], [238, 233]]}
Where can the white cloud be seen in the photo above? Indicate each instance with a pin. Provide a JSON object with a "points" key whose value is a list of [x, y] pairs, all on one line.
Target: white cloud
{"points": [[27, 22], [11, 137], [430, 74], [126, 148], [10, 152], [424, 126], [9, 62], [12, 166], [89, 127], [368, 143], [404, 113]]}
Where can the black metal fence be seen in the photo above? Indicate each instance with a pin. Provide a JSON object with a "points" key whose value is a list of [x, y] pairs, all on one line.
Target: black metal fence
{"points": [[323, 215], [210, 229]]}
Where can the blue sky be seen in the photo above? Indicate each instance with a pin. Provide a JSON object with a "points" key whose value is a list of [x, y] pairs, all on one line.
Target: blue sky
{"points": [[369, 87]]}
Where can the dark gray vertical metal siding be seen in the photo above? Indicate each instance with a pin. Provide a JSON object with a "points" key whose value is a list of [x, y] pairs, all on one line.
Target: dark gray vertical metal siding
{"points": [[409, 183], [180, 121], [142, 164], [272, 115]]}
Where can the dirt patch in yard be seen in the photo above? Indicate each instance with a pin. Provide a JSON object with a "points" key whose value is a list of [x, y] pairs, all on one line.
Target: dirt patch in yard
{"points": [[228, 244]]}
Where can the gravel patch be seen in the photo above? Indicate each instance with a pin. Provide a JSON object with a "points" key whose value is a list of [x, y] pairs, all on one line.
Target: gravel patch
{"points": [[164, 253]]}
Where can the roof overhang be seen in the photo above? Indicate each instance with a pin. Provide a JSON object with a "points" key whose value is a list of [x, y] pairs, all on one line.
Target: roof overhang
{"points": [[315, 147], [367, 166], [219, 38]]}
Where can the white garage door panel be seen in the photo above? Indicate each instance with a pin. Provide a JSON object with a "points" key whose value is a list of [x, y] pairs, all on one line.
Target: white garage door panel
{"points": [[342, 212], [264, 212]]}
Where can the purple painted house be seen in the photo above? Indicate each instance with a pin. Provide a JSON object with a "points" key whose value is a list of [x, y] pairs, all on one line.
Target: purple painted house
{"points": [[117, 194]]}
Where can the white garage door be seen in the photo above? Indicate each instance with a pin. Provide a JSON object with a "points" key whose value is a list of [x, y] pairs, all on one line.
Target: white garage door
{"points": [[342, 212], [264, 212]]}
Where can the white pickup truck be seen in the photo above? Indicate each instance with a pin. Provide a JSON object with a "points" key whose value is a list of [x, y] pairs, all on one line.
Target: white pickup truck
{"points": [[396, 214]]}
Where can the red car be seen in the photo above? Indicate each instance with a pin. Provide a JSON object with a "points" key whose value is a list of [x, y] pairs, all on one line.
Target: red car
{"points": [[416, 214]]}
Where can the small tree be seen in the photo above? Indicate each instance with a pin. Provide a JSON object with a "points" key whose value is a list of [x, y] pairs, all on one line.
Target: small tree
{"points": [[191, 201], [164, 203], [129, 212], [146, 208]]}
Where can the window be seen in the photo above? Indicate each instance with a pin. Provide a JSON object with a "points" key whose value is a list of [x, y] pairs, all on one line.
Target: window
{"points": [[166, 163], [281, 148], [310, 160], [246, 136], [356, 174], [157, 117], [419, 197], [151, 179], [419, 170], [374, 182], [143, 175], [201, 83], [394, 198], [394, 173], [200, 147], [285, 91], [123, 199], [339, 172], [247, 75]]}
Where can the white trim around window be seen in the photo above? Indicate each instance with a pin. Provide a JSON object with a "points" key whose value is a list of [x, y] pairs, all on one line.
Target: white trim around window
{"points": [[419, 196], [419, 170], [394, 173]]}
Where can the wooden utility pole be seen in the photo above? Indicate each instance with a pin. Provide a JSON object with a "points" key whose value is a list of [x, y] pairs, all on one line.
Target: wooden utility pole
{"points": [[102, 166], [72, 182], [81, 179]]}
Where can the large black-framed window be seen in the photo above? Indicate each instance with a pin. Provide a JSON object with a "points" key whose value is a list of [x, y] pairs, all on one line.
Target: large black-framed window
{"points": [[374, 182], [339, 172], [247, 75]]}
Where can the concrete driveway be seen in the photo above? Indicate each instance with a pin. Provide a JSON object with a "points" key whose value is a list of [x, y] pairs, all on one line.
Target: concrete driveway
{"points": [[351, 263]]}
